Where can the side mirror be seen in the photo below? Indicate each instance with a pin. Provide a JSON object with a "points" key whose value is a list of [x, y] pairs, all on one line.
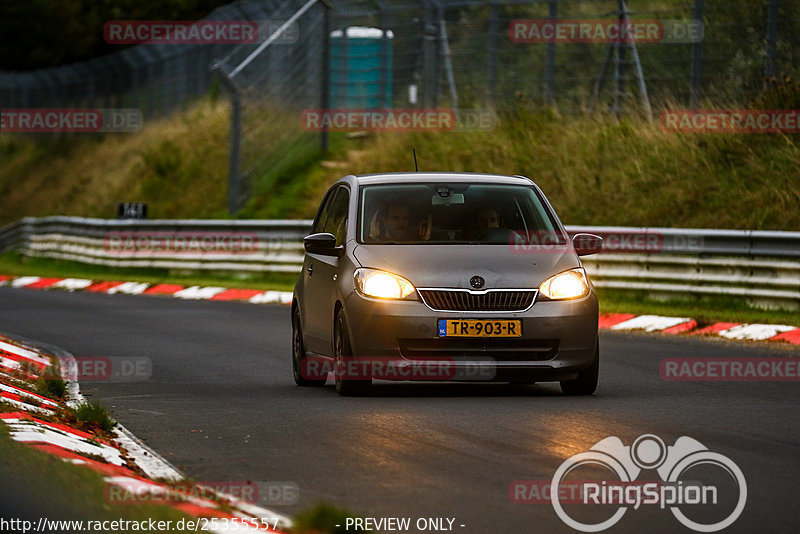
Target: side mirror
{"points": [[323, 244], [586, 244]]}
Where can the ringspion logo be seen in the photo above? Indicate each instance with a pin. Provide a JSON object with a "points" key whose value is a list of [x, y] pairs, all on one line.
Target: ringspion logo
{"points": [[648, 452]]}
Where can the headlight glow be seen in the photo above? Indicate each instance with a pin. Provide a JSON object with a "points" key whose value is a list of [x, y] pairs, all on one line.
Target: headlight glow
{"points": [[570, 284], [382, 284]]}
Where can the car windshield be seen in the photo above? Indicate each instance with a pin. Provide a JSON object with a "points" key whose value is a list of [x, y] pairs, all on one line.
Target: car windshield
{"points": [[455, 213]]}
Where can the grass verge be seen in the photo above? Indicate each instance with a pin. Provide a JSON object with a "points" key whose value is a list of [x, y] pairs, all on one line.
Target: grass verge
{"points": [[706, 310], [37, 484], [594, 169], [323, 518]]}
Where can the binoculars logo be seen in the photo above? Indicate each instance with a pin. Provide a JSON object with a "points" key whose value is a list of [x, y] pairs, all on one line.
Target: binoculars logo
{"points": [[648, 452]]}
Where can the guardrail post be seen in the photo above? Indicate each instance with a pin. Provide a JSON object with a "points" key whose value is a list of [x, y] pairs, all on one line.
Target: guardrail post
{"points": [[325, 93], [430, 58], [491, 70], [550, 61], [234, 157], [772, 38], [697, 59]]}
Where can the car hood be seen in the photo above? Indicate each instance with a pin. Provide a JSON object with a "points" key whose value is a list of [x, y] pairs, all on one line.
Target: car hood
{"points": [[452, 266]]}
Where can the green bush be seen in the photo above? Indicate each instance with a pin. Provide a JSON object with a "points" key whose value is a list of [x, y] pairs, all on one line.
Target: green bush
{"points": [[54, 388], [93, 414], [322, 519], [779, 93]]}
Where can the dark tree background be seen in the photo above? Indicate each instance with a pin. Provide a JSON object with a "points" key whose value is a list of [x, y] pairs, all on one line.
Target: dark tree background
{"points": [[44, 33]]}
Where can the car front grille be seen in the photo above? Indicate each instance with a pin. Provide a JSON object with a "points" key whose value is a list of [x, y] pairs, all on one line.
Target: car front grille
{"points": [[493, 300], [466, 349]]}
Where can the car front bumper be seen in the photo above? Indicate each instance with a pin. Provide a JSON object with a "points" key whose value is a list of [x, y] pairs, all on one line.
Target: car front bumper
{"points": [[558, 341]]}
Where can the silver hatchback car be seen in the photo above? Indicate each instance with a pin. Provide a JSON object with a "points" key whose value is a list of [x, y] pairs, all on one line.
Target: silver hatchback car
{"points": [[443, 277]]}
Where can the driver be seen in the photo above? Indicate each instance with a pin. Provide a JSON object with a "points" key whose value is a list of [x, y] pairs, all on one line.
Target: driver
{"points": [[487, 219], [391, 224]]}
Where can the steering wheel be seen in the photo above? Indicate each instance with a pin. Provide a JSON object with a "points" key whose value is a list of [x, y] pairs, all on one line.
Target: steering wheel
{"points": [[495, 235]]}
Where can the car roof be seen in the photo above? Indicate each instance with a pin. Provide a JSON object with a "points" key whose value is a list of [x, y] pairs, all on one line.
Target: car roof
{"points": [[433, 177]]}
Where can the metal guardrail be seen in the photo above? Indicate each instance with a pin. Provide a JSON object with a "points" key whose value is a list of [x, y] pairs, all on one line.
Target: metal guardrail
{"points": [[763, 266], [225, 245]]}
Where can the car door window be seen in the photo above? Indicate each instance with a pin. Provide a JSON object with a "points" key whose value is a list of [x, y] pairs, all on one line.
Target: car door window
{"points": [[319, 223], [336, 221]]}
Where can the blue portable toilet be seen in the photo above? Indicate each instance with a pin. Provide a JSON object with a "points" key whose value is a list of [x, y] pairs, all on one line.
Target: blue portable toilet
{"points": [[361, 68]]}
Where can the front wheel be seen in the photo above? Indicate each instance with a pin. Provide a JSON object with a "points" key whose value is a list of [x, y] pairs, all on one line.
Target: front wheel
{"points": [[586, 382], [345, 385], [301, 370]]}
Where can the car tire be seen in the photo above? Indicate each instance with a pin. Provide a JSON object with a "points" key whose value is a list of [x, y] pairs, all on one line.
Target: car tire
{"points": [[299, 355], [342, 351], [586, 382]]}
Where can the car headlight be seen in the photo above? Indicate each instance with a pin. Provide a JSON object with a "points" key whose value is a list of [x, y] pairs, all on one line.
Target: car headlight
{"points": [[382, 284], [570, 284]]}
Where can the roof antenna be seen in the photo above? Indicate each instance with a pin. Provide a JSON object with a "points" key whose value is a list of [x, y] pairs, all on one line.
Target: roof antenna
{"points": [[416, 169]]}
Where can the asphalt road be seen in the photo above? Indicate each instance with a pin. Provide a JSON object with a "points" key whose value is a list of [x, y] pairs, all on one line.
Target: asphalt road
{"points": [[221, 406]]}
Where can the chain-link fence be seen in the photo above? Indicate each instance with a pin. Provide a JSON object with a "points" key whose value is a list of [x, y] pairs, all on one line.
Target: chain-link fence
{"points": [[464, 54], [155, 78], [463, 43], [270, 83], [465, 50]]}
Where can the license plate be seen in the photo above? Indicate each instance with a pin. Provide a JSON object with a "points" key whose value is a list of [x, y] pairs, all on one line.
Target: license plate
{"points": [[480, 328]]}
